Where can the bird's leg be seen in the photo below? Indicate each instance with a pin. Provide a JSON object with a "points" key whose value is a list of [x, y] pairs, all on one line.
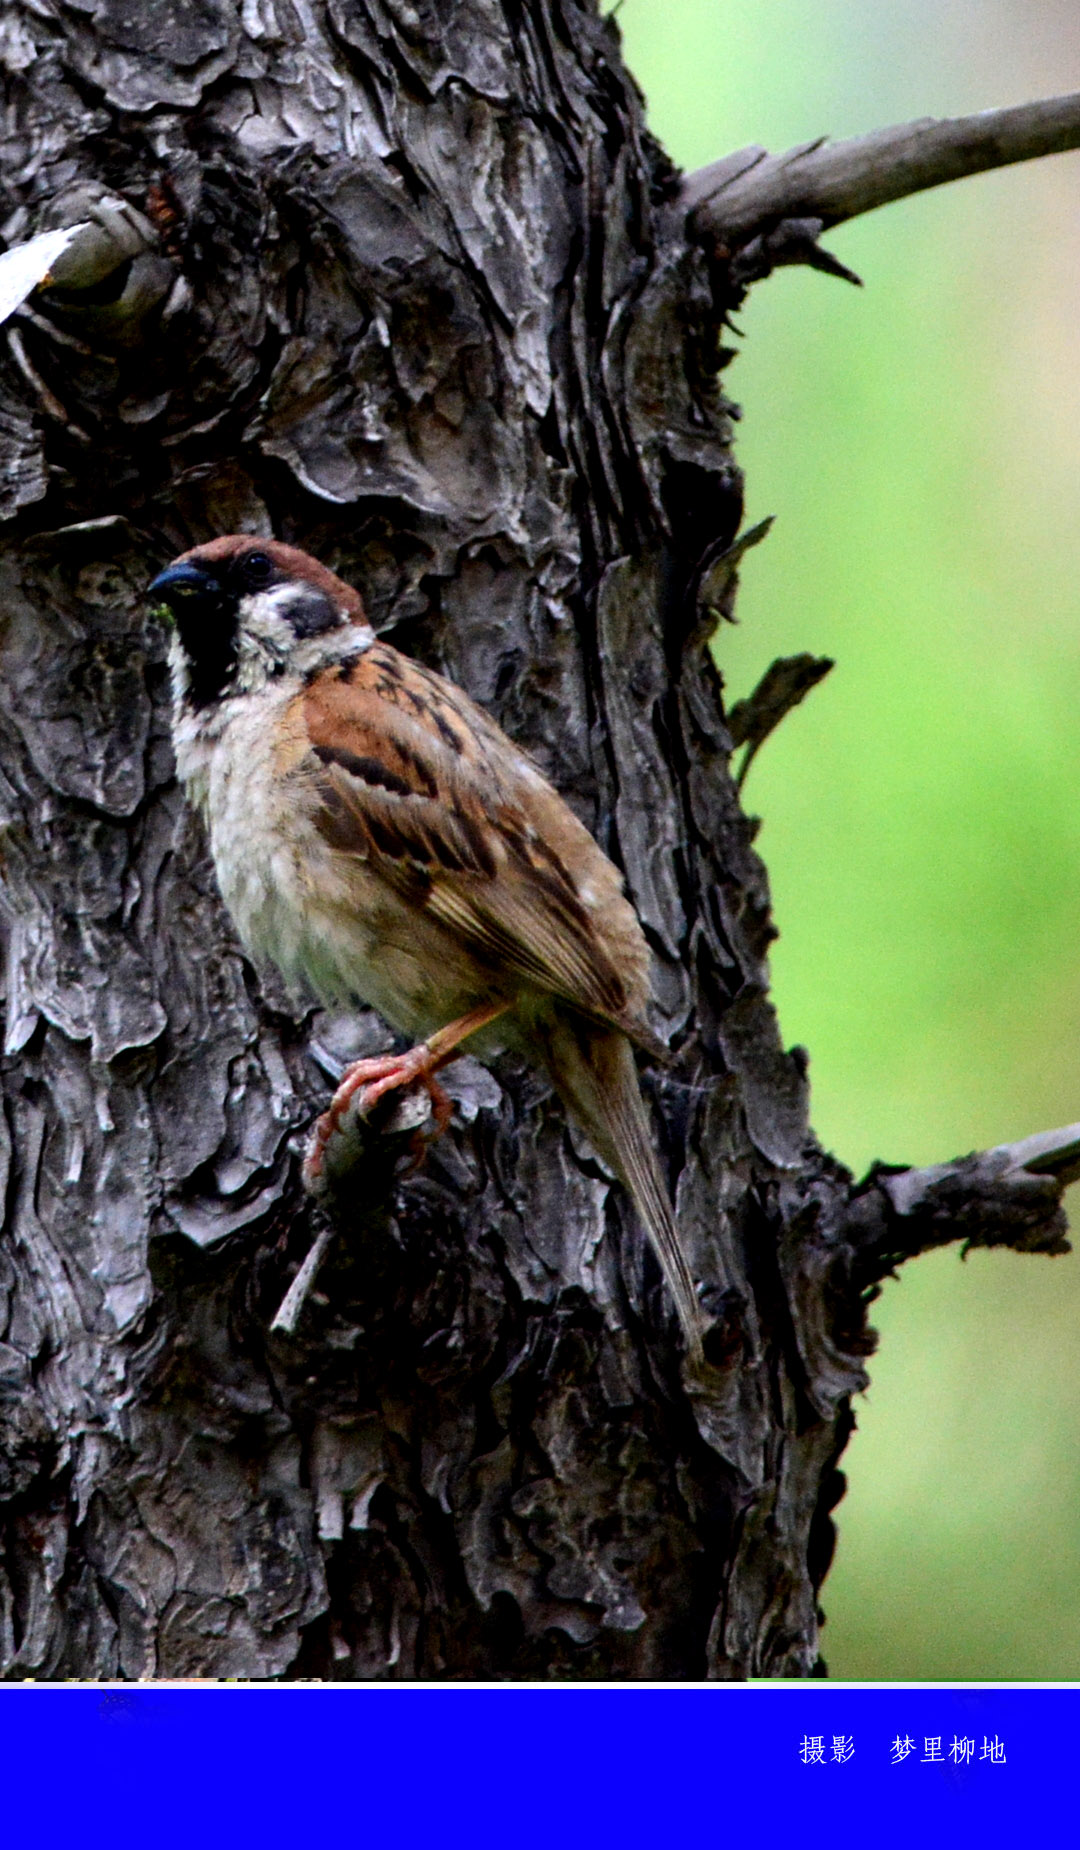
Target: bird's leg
{"points": [[388, 1072]]}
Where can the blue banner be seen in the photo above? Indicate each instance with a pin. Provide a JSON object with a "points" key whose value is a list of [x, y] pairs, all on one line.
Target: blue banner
{"points": [[555, 1767]]}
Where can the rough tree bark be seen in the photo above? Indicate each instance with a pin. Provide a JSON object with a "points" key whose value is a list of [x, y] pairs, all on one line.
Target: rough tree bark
{"points": [[406, 283]]}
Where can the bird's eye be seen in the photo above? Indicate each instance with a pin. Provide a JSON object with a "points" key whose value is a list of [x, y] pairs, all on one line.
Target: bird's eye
{"points": [[258, 569]]}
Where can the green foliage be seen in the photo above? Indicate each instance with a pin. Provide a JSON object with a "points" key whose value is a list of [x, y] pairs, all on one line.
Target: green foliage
{"points": [[919, 443]]}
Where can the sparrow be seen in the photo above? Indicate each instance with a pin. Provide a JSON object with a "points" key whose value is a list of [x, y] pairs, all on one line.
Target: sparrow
{"points": [[382, 841]]}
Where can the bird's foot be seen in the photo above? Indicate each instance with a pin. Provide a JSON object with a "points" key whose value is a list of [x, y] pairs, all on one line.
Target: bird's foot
{"points": [[363, 1085]]}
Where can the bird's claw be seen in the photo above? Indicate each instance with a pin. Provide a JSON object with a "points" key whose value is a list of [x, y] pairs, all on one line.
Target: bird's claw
{"points": [[362, 1087]]}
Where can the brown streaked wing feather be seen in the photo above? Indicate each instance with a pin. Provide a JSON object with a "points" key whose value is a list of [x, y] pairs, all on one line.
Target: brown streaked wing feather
{"points": [[419, 783]]}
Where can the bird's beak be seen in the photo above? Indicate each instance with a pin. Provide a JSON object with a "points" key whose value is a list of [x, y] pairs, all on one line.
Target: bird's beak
{"points": [[180, 583]]}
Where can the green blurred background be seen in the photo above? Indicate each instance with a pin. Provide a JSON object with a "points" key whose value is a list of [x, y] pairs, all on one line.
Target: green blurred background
{"points": [[919, 443]]}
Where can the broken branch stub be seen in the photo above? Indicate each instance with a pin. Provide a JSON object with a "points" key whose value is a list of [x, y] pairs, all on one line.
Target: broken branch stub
{"points": [[781, 688]]}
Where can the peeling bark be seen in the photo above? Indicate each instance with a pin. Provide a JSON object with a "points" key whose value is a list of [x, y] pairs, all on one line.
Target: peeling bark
{"points": [[412, 289]]}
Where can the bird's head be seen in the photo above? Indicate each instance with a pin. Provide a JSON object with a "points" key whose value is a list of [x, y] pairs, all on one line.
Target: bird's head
{"points": [[245, 597]]}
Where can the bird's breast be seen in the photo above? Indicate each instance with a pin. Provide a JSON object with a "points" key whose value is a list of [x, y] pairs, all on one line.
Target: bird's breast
{"points": [[331, 925]]}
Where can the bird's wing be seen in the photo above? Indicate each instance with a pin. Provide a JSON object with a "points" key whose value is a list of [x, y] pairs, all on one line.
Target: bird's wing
{"points": [[417, 782]]}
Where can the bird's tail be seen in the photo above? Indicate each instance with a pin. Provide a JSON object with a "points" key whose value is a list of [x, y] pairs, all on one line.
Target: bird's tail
{"points": [[593, 1068]]}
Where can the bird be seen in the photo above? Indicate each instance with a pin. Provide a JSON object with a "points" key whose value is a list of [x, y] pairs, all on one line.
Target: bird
{"points": [[379, 838]]}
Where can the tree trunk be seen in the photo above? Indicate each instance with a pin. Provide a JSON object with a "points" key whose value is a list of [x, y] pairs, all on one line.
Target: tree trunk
{"points": [[409, 285]]}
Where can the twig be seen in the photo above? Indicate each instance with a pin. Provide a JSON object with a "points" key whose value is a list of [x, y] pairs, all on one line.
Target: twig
{"points": [[735, 198], [50, 404], [1008, 1196], [781, 688], [59, 336], [292, 1303]]}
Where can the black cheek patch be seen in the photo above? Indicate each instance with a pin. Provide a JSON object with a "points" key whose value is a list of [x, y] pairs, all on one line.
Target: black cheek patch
{"points": [[310, 614]]}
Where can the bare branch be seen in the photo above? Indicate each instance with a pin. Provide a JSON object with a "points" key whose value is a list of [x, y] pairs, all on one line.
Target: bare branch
{"points": [[288, 1312], [735, 198], [782, 687], [1008, 1196]]}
